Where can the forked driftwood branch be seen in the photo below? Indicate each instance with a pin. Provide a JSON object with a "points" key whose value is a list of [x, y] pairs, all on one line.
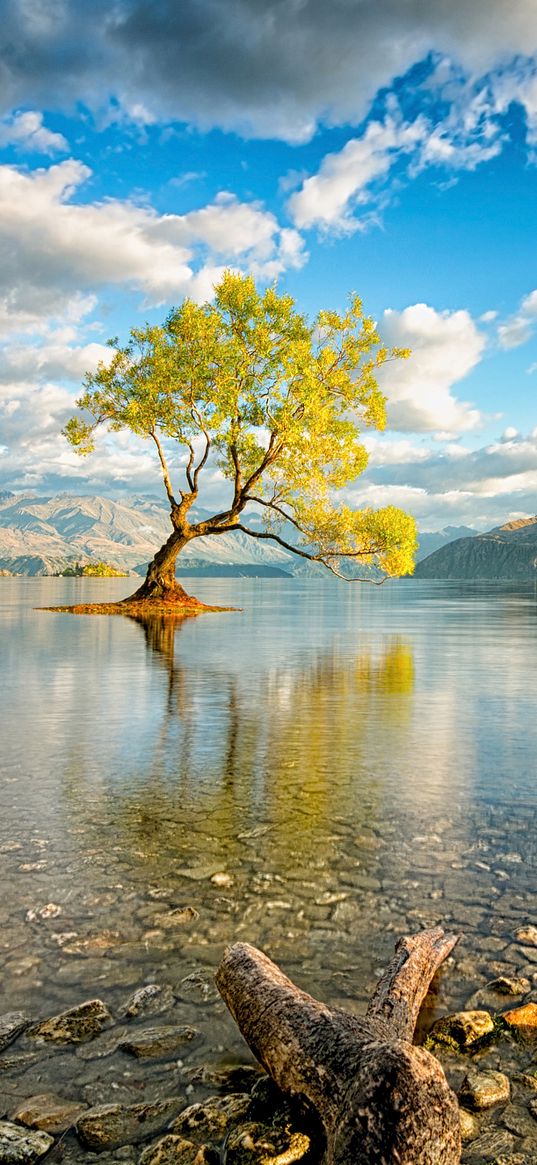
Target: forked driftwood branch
{"points": [[381, 1100]]}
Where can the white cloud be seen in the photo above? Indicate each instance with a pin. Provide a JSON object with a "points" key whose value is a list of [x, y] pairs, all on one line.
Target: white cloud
{"points": [[27, 132], [50, 361], [520, 327], [446, 346], [454, 484], [56, 251], [345, 178], [345, 182]]}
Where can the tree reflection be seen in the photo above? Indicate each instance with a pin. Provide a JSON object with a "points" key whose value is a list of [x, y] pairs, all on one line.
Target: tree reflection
{"points": [[289, 750]]}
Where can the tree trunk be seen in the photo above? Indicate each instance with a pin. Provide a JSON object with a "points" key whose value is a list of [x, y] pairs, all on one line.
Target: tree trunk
{"points": [[381, 1100], [160, 582]]}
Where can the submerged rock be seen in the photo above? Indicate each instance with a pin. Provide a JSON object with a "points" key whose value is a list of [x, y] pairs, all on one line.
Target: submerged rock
{"points": [[469, 1125], [211, 1119], [18, 1146], [507, 985], [484, 1089], [158, 1043], [52, 1113], [110, 1125], [179, 916], [462, 1029], [152, 999], [254, 1142], [522, 1019], [12, 1024], [173, 1150], [74, 1025], [527, 935]]}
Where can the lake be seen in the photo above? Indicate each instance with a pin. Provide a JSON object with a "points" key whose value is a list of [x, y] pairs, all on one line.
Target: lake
{"points": [[316, 774]]}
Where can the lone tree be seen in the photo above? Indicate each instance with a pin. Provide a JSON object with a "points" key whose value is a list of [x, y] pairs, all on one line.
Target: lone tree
{"points": [[279, 402]]}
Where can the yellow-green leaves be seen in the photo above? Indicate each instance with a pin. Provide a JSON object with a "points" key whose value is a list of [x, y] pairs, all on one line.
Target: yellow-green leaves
{"points": [[279, 401]]}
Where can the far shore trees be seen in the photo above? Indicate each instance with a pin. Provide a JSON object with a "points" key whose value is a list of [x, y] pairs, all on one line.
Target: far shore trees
{"points": [[278, 403]]}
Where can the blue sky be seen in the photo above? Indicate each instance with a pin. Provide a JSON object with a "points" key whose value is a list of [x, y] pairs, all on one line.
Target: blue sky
{"points": [[388, 148]]}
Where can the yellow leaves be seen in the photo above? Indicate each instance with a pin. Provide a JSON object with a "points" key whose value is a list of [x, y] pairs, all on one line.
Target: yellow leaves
{"points": [[80, 436]]}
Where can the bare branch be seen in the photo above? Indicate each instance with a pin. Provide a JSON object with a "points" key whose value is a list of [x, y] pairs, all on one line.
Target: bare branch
{"points": [[320, 558], [201, 463], [188, 470], [273, 506], [165, 472]]}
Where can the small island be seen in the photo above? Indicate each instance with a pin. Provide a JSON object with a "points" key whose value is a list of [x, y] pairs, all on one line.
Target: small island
{"points": [[92, 570]]}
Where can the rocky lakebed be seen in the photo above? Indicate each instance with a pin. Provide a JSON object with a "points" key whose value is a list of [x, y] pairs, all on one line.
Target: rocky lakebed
{"points": [[136, 1086]]}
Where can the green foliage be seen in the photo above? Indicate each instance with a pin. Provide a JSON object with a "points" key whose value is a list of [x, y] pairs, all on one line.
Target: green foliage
{"points": [[279, 400]]}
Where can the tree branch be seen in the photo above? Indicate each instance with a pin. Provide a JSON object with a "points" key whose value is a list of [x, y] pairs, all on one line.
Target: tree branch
{"points": [[201, 463], [165, 472], [320, 558]]}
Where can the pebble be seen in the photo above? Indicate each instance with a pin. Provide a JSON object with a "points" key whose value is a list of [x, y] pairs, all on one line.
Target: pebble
{"points": [[12, 1024], [506, 985], [173, 1150], [74, 1025], [527, 935], [149, 1000], [110, 1125], [469, 1125], [158, 1042], [484, 1089], [522, 1019], [52, 1113], [18, 1146], [462, 1029], [211, 1119]]}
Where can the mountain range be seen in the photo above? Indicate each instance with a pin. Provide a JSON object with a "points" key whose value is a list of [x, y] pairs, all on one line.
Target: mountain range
{"points": [[506, 553], [43, 535]]}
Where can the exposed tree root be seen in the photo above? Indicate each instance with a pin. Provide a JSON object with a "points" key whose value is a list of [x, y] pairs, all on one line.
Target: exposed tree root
{"points": [[381, 1100]]}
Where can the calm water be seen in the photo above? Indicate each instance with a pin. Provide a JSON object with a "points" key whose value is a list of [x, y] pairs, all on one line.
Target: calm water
{"points": [[317, 774]]}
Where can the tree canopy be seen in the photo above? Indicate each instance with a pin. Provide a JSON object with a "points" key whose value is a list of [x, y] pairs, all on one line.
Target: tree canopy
{"points": [[279, 402]]}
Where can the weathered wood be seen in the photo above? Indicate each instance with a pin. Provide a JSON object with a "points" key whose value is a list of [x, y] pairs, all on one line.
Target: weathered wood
{"points": [[381, 1100]]}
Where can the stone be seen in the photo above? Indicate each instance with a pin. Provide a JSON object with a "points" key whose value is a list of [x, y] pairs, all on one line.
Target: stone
{"points": [[469, 1125], [50, 910], [462, 1029], [158, 1043], [484, 1089], [518, 1120], [104, 941], [522, 1019], [211, 1119], [507, 985], [257, 1143], [532, 1106], [12, 1024], [488, 1147], [18, 1146], [152, 999], [527, 935], [222, 880], [173, 1150], [180, 916], [52, 1113], [110, 1125], [74, 1025], [196, 989]]}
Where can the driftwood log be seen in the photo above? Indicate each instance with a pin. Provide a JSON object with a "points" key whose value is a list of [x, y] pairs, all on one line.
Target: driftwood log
{"points": [[380, 1099]]}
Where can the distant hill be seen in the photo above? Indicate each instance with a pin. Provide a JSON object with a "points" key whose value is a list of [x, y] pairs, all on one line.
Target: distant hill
{"points": [[429, 540], [507, 553], [45, 535]]}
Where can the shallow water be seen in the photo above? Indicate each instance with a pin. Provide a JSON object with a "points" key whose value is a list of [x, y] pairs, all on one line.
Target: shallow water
{"points": [[327, 769]]}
